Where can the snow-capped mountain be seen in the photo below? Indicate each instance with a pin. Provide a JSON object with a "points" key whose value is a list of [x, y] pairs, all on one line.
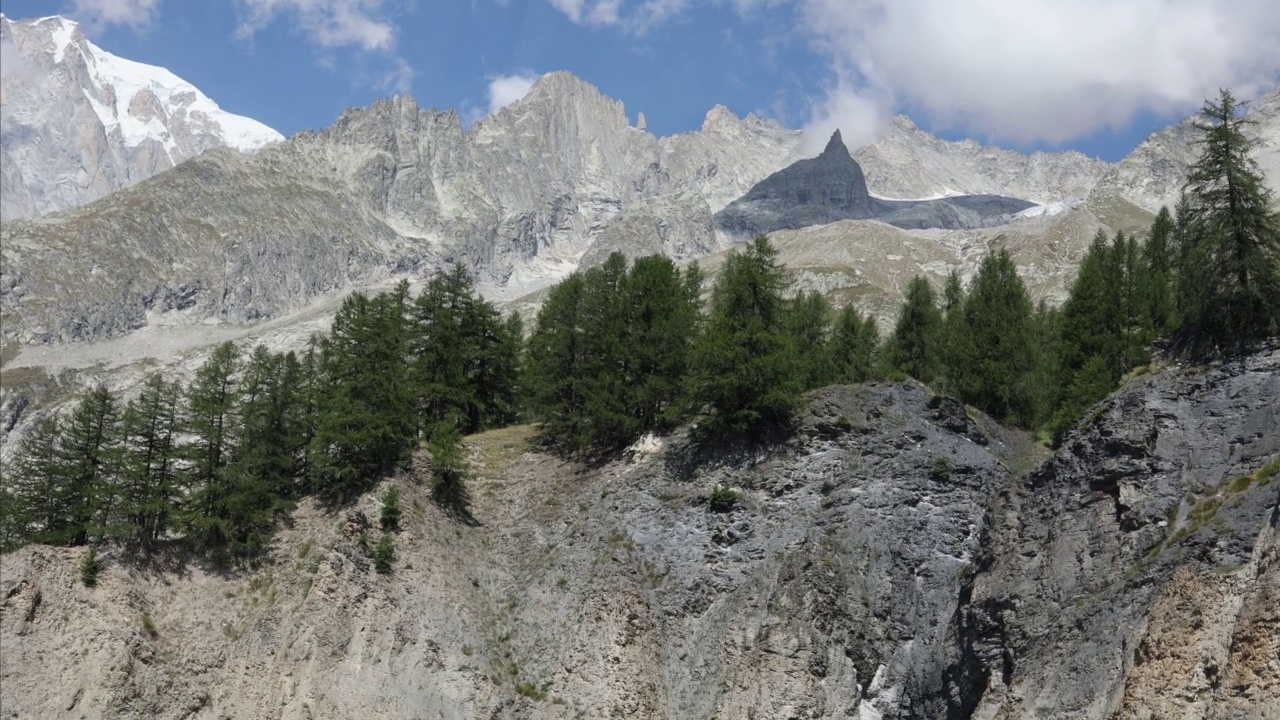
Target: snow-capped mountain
{"points": [[79, 122]]}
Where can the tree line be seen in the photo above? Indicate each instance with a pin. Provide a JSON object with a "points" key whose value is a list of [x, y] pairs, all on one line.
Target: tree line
{"points": [[217, 460], [621, 350]]}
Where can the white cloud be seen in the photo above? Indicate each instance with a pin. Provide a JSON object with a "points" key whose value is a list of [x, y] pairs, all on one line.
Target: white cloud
{"points": [[1013, 70], [859, 116], [328, 23], [399, 79], [590, 12], [12, 63], [137, 14], [506, 89], [1045, 70]]}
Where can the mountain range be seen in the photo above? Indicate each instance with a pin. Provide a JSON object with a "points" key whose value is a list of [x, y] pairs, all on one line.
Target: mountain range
{"points": [[250, 228]]}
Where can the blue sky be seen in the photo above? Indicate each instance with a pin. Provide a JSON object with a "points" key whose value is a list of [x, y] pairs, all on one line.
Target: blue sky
{"points": [[1020, 73]]}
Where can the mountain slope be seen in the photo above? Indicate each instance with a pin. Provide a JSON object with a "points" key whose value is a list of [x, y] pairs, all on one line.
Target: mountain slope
{"points": [[80, 123], [907, 162], [1152, 175], [1133, 574]]}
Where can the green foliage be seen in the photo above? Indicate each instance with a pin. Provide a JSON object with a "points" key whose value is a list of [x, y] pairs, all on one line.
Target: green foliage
{"points": [[364, 422], [389, 519], [722, 499], [610, 350], [808, 323], [744, 372], [89, 568], [1230, 239], [449, 473], [915, 347], [465, 357], [149, 482], [992, 348], [852, 348], [383, 554], [941, 469]]}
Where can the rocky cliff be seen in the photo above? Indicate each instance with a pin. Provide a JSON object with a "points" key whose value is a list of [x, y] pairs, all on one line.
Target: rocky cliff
{"points": [[80, 123], [898, 558]]}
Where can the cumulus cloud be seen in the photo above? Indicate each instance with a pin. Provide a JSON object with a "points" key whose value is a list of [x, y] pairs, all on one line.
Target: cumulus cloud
{"points": [[1045, 70], [137, 14], [590, 12], [328, 23], [506, 89], [859, 115], [1014, 70]]}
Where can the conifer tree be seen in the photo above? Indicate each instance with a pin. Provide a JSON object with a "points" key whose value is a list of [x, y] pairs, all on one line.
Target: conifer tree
{"points": [[1232, 235], [996, 360], [1158, 260], [556, 361], [212, 422], [808, 321], [915, 347], [149, 482], [90, 449], [364, 424], [744, 372], [41, 509], [661, 309], [851, 351]]}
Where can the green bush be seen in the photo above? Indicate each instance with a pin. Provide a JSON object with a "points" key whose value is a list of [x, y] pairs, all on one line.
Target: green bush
{"points": [[941, 469], [390, 519], [89, 568], [383, 554], [722, 499]]}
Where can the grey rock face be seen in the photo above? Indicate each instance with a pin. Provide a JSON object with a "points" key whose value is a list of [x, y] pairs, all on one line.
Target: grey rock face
{"points": [[908, 162], [1135, 574], [831, 188], [80, 123], [888, 561]]}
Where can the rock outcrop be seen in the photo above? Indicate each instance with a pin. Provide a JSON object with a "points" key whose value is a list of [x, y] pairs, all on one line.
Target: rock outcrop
{"points": [[80, 123], [897, 558], [831, 187]]}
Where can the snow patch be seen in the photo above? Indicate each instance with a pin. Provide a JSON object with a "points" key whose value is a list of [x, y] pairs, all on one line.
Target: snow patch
{"points": [[63, 36], [946, 193], [1050, 209]]}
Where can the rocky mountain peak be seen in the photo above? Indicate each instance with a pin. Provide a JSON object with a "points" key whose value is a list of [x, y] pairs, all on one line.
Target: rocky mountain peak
{"points": [[80, 122], [836, 150]]}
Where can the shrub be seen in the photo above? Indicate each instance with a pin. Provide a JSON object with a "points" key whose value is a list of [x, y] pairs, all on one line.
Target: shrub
{"points": [[89, 568], [383, 555], [941, 469], [390, 519], [150, 626], [722, 499]]}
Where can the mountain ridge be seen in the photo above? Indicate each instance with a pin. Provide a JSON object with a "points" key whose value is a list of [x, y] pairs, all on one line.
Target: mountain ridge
{"points": [[80, 123]]}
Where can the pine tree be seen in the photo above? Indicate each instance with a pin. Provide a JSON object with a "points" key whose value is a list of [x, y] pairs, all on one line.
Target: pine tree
{"points": [[1232, 234], [90, 450], [997, 358], [149, 482], [915, 347], [42, 509], [808, 321], [744, 372], [212, 422], [449, 473], [851, 351], [1158, 259], [364, 422], [556, 361], [661, 317]]}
